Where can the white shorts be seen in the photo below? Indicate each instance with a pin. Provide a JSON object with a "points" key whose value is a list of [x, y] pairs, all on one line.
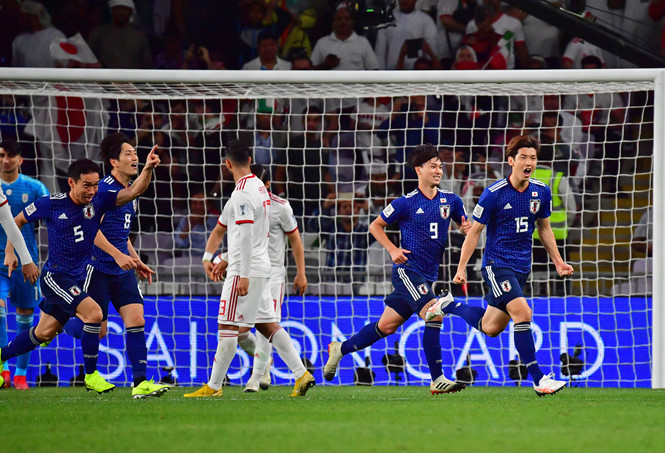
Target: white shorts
{"points": [[277, 288], [245, 311]]}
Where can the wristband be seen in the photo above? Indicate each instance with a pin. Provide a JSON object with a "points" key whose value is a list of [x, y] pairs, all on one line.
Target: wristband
{"points": [[207, 256]]}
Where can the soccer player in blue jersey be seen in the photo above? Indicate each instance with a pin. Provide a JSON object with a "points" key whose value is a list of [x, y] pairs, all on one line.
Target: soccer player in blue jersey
{"points": [[110, 274], [20, 190], [424, 217], [510, 208], [72, 221]]}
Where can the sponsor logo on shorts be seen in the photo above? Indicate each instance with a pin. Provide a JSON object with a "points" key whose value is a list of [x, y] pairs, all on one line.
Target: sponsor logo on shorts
{"points": [[74, 290], [423, 289]]}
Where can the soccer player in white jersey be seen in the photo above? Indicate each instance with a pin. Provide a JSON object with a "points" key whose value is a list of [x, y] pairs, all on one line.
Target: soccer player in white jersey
{"points": [[510, 208], [283, 226], [245, 299]]}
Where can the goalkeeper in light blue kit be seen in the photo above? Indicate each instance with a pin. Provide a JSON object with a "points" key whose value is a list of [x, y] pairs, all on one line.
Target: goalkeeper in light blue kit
{"points": [[424, 217], [110, 274], [20, 191], [511, 208]]}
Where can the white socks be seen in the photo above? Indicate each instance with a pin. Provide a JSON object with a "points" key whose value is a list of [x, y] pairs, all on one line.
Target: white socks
{"points": [[284, 347], [261, 356], [227, 344], [247, 341]]}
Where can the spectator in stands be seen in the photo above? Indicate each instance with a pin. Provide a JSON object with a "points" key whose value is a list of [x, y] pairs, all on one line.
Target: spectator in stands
{"points": [[512, 44], [365, 120], [656, 13], [347, 172], [347, 239], [302, 63], [304, 16], [411, 25], [343, 49], [454, 169], [640, 26], [576, 50], [484, 42], [427, 62], [32, 47], [543, 38], [256, 17], [602, 116], [465, 59], [199, 57], [410, 124], [193, 229], [453, 17], [305, 166], [173, 55], [120, 44], [267, 60]]}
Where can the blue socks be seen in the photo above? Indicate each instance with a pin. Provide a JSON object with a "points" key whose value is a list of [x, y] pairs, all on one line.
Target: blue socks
{"points": [[90, 346], [432, 347], [24, 342], [137, 352], [527, 350], [74, 327], [367, 336], [23, 324], [472, 315]]}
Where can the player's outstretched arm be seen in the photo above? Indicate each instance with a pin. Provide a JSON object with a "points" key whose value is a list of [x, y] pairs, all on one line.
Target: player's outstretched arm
{"points": [[214, 241], [125, 262], [470, 244], [549, 242], [378, 230], [12, 226], [142, 182], [300, 282], [142, 269]]}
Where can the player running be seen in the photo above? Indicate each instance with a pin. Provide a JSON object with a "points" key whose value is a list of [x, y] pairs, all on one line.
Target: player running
{"points": [[424, 217], [20, 190], [283, 225], [110, 274], [510, 208], [72, 222], [245, 299]]}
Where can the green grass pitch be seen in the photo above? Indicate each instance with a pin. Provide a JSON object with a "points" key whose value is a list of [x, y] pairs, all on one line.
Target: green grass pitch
{"points": [[335, 419]]}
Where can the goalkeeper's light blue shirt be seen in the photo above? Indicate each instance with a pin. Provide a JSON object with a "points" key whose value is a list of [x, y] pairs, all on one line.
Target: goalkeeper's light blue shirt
{"points": [[20, 193], [511, 217], [116, 227], [424, 224]]}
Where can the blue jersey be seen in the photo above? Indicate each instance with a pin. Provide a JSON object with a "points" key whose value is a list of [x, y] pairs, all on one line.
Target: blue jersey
{"points": [[510, 217], [115, 227], [71, 230], [20, 194], [424, 224]]}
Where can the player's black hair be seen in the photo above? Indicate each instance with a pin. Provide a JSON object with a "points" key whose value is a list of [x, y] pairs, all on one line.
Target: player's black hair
{"points": [[522, 141], [261, 172], [237, 152], [111, 147], [11, 147], [82, 167], [422, 154]]}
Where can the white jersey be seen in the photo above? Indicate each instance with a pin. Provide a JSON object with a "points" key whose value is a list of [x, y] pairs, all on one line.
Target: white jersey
{"points": [[249, 203], [282, 222], [3, 198]]}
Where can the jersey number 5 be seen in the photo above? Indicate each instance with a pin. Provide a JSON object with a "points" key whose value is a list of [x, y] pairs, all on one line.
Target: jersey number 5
{"points": [[78, 233]]}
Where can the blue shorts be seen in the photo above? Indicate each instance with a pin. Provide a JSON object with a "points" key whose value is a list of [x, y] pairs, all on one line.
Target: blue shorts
{"points": [[505, 285], [412, 292], [120, 289], [62, 295], [21, 294]]}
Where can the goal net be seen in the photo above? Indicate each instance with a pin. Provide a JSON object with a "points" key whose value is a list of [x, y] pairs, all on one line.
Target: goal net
{"points": [[336, 146]]}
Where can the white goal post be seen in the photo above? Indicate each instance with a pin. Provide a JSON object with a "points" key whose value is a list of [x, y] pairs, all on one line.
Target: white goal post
{"points": [[595, 277]]}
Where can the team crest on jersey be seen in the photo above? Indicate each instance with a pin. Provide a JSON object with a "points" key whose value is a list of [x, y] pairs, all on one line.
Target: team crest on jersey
{"points": [[89, 211], [534, 206], [74, 290], [422, 289], [505, 286], [24, 198], [30, 209], [444, 211], [8, 192]]}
